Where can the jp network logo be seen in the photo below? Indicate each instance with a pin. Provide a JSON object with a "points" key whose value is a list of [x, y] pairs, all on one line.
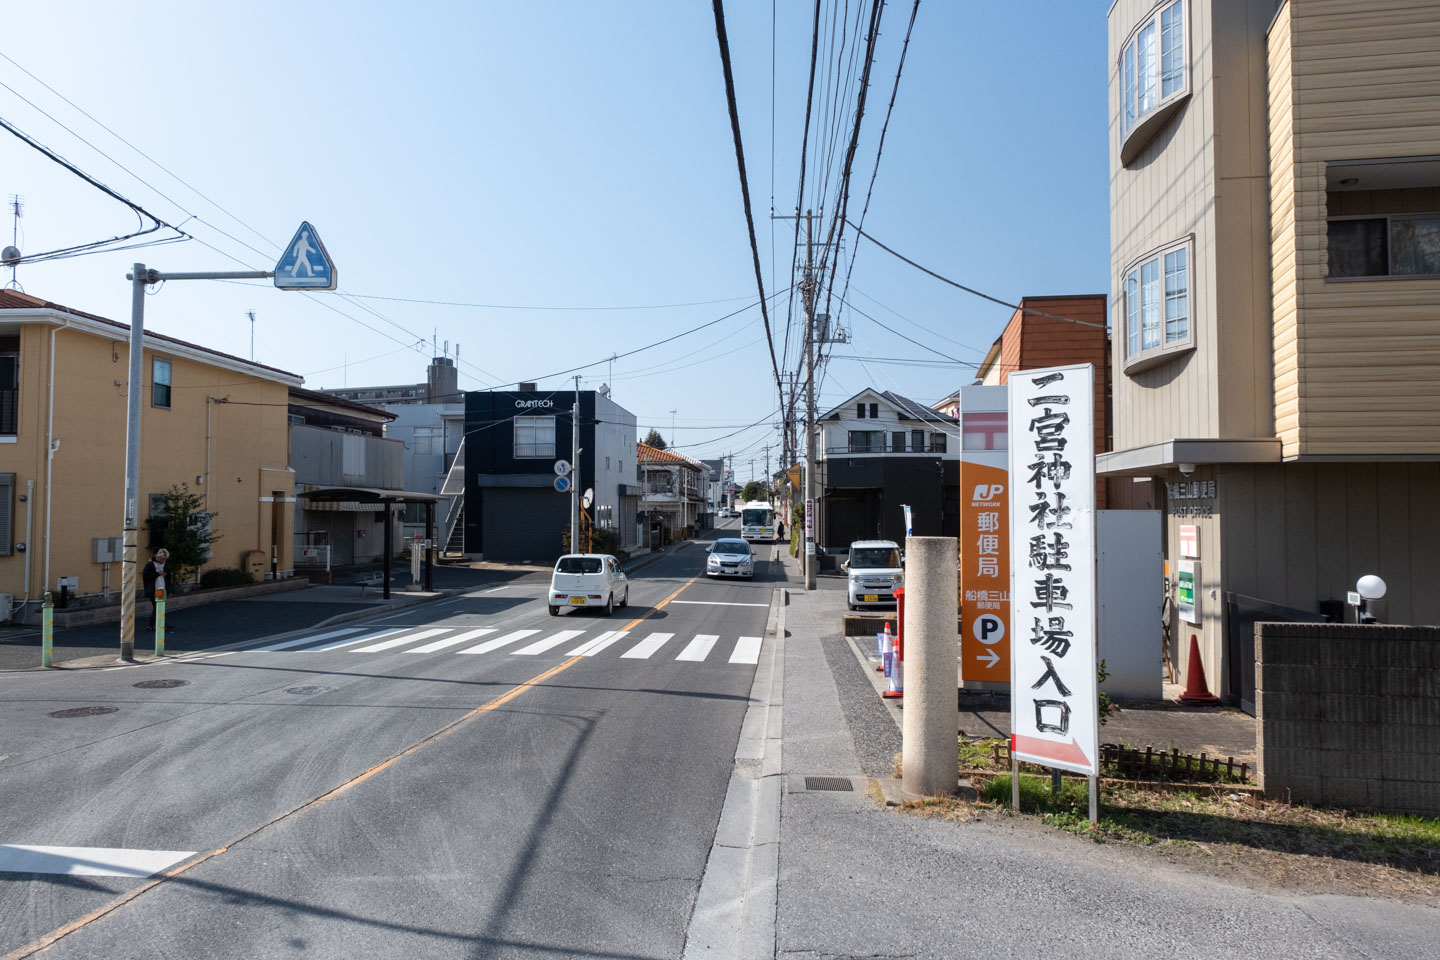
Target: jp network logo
{"points": [[988, 491]]}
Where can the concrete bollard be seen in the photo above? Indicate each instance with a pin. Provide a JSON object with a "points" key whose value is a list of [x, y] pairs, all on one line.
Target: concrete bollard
{"points": [[932, 713]]}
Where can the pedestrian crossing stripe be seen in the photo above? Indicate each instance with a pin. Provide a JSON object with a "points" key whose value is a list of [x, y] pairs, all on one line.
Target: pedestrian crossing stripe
{"points": [[408, 640]]}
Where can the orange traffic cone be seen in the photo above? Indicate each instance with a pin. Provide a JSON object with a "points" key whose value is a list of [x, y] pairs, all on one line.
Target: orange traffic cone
{"points": [[1197, 691]]}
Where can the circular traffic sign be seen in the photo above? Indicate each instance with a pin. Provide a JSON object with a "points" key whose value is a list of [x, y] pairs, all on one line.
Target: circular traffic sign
{"points": [[562, 468], [562, 484]]}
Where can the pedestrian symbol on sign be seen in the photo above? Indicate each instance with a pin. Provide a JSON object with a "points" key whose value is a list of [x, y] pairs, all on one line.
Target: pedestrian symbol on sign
{"points": [[305, 265]]}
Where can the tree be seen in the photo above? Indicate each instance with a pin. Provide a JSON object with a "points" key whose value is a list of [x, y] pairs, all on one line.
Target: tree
{"points": [[653, 439], [186, 529], [754, 490]]}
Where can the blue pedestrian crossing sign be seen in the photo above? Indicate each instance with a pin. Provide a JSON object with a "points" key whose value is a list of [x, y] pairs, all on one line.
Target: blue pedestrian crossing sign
{"points": [[304, 264]]}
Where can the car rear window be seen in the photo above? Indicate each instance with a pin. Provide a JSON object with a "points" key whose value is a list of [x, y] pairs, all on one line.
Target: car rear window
{"points": [[578, 565]]}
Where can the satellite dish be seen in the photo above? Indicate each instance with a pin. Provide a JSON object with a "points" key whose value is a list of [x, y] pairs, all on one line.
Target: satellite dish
{"points": [[589, 497], [10, 255]]}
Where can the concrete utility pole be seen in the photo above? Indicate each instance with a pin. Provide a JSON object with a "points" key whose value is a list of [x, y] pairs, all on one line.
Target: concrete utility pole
{"points": [[575, 471], [932, 714], [811, 509]]}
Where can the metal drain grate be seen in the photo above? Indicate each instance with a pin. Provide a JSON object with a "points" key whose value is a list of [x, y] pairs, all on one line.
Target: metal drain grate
{"points": [[828, 783], [83, 712], [160, 684]]}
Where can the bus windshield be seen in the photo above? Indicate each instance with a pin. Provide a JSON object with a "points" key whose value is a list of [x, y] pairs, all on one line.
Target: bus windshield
{"points": [[756, 516]]}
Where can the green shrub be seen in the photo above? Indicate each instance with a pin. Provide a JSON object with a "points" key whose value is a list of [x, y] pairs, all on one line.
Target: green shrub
{"points": [[225, 577]]}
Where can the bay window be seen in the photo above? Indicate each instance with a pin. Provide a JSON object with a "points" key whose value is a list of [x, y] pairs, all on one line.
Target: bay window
{"points": [[1157, 306], [1154, 75]]}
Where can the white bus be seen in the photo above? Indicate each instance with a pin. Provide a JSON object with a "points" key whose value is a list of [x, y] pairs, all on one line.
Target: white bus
{"points": [[757, 520]]}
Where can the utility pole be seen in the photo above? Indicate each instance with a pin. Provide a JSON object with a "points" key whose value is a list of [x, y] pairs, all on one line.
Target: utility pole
{"points": [[575, 470], [807, 293], [251, 315], [767, 468]]}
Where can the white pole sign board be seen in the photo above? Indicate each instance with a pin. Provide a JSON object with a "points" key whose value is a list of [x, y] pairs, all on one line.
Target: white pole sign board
{"points": [[1053, 685]]}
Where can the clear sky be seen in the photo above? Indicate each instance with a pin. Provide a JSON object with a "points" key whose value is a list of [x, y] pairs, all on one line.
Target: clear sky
{"points": [[565, 172]]}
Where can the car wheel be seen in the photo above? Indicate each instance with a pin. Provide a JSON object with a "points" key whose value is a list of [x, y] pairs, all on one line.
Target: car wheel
{"points": [[554, 610], [626, 602], [609, 604]]}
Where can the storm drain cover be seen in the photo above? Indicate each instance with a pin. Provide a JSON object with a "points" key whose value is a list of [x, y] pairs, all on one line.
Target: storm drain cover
{"points": [[309, 691], [83, 712], [828, 783], [159, 684]]}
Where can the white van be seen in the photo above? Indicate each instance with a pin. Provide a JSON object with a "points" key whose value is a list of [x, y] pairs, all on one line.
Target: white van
{"points": [[588, 580], [873, 571]]}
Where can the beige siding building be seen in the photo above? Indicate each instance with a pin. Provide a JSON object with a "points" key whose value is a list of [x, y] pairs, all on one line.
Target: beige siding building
{"points": [[1275, 234], [213, 422]]}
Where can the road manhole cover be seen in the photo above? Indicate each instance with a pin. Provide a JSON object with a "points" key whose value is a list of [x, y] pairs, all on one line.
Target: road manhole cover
{"points": [[82, 712], [309, 691], [160, 684], [828, 783]]}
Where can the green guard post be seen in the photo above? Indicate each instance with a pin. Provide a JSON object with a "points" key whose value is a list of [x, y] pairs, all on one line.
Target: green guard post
{"points": [[159, 622], [47, 631]]}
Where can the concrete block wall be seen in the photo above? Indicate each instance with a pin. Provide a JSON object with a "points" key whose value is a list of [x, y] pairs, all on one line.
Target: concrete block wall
{"points": [[1349, 715]]}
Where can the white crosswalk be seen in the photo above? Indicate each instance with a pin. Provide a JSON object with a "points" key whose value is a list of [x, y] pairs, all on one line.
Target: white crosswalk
{"points": [[654, 646]]}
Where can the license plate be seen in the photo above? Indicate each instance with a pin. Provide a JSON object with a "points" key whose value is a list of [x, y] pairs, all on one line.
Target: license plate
{"points": [[577, 601], [871, 598]]}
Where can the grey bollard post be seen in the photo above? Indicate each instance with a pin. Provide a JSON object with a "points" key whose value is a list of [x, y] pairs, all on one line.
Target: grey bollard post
{"points": [[929, 763]]}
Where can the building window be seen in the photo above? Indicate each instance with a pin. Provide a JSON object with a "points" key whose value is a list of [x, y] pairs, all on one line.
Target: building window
{"points": [[426, 442], [897, 441], [1154, 75], [874, 411], [7, 514], [534, 437], [1400, 246], [867, 441], [1157, 306], [917, 441], [160, 382], [9, 393], [860, 411], [937, 443]]}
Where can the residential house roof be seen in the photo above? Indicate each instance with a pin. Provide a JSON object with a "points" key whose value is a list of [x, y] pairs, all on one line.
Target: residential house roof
{"points": [[644, 453], [15, 300], [909, 409]]}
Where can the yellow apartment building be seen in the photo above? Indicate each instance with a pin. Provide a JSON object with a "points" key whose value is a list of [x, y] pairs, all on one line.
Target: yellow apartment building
{"points": [[209, 420], [1275, 235]]}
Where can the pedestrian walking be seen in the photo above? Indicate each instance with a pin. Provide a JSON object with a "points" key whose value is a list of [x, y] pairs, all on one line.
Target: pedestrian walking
{"points": [[153, 577]]}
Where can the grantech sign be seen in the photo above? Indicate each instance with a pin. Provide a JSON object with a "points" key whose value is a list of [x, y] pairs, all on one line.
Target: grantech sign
{"points": [[533, 404]]}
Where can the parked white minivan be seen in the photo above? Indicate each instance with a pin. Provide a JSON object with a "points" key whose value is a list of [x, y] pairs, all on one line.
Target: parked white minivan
{"points": [[873, 571], [588, 580]]}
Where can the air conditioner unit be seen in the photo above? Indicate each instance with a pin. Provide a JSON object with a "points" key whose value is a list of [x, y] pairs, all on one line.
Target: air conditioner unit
{"points": [[7, 607]]}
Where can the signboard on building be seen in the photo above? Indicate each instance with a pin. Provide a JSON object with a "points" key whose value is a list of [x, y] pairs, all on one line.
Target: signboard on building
{"points": [[1189, 540], [1053, 684], [984, 534], [1185, 591]]}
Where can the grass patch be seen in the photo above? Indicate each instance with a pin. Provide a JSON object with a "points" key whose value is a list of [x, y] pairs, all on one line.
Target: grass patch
{"points": [[1035, 795]]}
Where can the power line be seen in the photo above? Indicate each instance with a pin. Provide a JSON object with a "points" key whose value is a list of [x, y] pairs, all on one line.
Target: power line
{"points": [[970, 290], [744, 184]]}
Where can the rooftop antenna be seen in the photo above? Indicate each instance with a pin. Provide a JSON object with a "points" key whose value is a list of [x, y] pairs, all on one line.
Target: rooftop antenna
{"points": [[251, 315], [10, 256]]}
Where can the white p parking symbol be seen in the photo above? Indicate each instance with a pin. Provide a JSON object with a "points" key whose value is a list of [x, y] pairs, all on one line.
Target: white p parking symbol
{"points": [[988, 628]]}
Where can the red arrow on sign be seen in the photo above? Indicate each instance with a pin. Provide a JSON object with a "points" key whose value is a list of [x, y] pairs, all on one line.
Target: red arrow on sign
{"points": [[1071, 753]]}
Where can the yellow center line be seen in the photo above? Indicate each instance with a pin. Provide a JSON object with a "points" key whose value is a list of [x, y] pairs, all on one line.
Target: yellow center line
{"points": [[35, 946]]}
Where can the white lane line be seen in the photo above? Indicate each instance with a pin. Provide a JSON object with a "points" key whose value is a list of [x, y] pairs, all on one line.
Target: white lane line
{"points": [[407, 638], [747, 650], [719, 603], [646, 647], [699, 648], [286, 645], [540, 646], [499, 642], [452, 641], [591, 647], [345, 643], [87, 861]]}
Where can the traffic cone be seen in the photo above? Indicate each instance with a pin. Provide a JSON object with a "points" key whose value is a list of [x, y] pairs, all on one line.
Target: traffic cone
{"points": [[895, 674], [884, 642], [1197, 691]]}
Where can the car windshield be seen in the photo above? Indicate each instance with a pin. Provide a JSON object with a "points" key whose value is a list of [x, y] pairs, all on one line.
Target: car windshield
{"points": [[731, 546], [862, 558], [578, 565], [756, 518]]}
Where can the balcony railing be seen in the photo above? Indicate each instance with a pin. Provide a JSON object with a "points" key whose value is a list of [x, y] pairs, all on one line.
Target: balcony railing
{"points": [[849, 448]]}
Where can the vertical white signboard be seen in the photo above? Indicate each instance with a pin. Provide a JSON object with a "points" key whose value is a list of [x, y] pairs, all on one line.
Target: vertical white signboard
{"points": [[1053, 684]]}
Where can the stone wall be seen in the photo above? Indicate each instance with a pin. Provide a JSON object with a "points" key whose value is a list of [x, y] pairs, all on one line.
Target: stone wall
{"points": [[1349, 715]]}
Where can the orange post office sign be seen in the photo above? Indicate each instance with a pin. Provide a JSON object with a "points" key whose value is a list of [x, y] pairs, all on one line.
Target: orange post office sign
{"points": [[984, 535]]}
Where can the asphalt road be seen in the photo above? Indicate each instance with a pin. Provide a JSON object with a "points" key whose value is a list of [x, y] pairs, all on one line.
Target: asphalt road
{"points": [[451, 780]]}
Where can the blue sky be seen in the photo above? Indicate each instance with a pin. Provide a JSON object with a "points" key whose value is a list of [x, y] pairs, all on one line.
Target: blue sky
{"points": [[558, 155]]}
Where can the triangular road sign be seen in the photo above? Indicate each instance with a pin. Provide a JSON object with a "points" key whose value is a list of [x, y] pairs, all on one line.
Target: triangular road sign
{"points": [[304, 264]]}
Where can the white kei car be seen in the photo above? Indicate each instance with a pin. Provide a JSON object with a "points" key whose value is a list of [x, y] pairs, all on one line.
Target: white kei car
{"points": [[873, 570], [588, 580]]}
